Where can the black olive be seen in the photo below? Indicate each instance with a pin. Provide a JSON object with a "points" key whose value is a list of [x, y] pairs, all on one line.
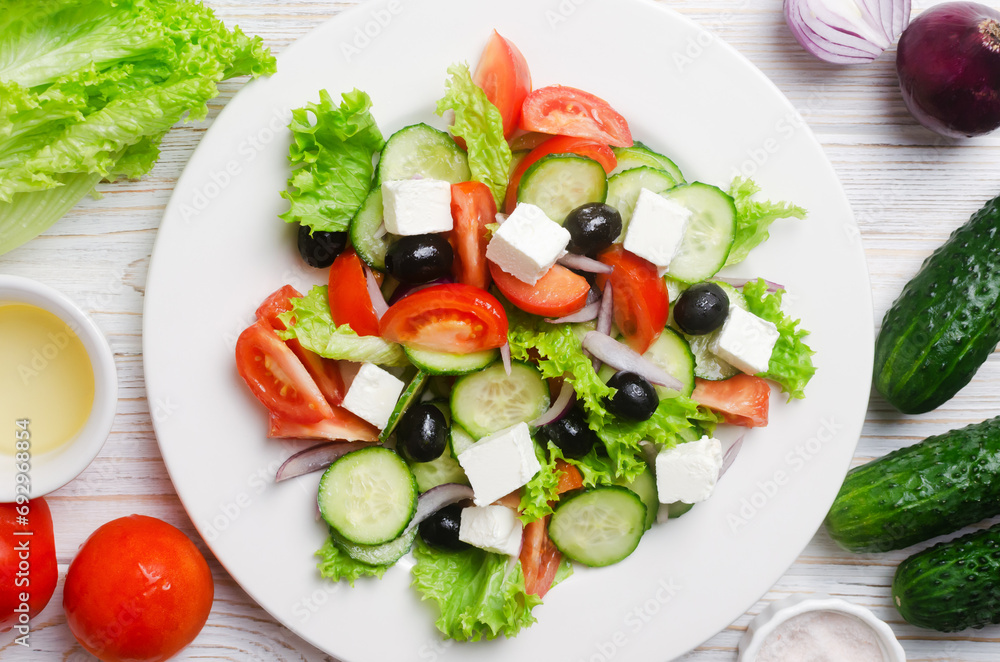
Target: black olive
{"points": [[422, 433], [319, 249], [635, 398], [570, 434], [420, 258], [701, 309], [592, 228], [441, 529]]}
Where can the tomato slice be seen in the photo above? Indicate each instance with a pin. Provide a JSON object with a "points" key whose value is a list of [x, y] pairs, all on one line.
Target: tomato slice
{"points": [[277, 378], [503, 74], [539, 558], [342, 426], [528, 141], [453, 318], [742, 400], [472, 208], [597, 151], [325, 372], [559, 292], [641, 302], [570, 477], [568, 111], [348, 292]]}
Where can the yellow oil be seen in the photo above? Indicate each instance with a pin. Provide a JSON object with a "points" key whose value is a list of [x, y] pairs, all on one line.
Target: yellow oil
{"points": [[45, 377]]}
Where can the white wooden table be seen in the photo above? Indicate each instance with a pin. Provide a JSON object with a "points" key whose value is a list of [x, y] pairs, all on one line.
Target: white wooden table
{"points": [[909, 190]]}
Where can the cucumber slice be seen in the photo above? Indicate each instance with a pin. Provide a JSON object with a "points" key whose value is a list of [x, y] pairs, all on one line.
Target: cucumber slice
{"points": [[459, 440], [368, 496], [644, 487], [708, 365], [623, 189], [489, 400], [678, 508], [672, 353], [600, 526], [441, 363], [423, 150], [384, 554], [710, 233], [638, 155], [559, 183], [365, 225], [444, 469], [410, 396]]}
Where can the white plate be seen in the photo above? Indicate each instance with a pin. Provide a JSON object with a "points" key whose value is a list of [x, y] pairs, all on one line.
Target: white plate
{"points": [[221, 250]]}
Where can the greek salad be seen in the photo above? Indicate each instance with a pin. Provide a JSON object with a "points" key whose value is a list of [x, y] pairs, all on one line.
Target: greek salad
{"points": [[524, 348]]}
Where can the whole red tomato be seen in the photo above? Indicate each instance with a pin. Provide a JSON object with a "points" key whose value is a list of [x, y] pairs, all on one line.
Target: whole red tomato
{"points": [[138, 590], [28, 571]]}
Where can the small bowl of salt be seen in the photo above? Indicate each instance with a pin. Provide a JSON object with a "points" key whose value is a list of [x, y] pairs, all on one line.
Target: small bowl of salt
{"points": [[803, 629]]}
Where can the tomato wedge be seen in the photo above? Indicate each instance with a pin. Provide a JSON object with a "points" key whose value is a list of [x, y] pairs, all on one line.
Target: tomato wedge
{"points": [[597, 151], [325, 372], [503, 75], [570, 477], [559, 292], [568, 111], [472, 208], [453, 318], [348, 292], [641, 302], [539, 558], [742, 400], [342, 426], [277, 378]]}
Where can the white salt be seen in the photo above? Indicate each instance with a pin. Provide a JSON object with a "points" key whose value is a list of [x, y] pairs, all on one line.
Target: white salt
{"points": [[822, 636]]}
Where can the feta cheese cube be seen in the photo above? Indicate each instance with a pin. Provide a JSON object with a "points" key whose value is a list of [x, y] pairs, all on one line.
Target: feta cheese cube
{"points": [[527, 244], [688, 472], [373, 395], [657, 228], [745, 341], [417, 206], [493, 528], [500, 463]]}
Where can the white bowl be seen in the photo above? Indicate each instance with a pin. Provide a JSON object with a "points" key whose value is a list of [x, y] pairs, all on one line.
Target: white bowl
{"points": [[778, 612], [51, 470]]}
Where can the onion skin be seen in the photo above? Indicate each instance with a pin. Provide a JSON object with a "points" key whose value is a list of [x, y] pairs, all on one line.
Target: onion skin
{"points": [[948, 61]]}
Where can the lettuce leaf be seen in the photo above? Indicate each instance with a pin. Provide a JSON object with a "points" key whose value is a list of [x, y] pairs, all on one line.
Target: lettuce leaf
{"points": [[311, 323], [478, 594], [88, 90], [543, 486], [791, 363], [335, 564], [753, 218], [331, 155], [480, 125]]}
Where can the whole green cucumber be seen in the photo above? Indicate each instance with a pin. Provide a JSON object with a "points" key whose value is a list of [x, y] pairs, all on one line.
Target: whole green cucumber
{"points": [[913, 494], [947, 320], [953, 585]]}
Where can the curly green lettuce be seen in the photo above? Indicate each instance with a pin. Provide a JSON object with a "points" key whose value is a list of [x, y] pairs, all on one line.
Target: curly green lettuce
{"points": [[478, 593], [311, 323], [543, 488], [791, 363], [331, 154], [335, 564], [480, 125], [754, 217]]}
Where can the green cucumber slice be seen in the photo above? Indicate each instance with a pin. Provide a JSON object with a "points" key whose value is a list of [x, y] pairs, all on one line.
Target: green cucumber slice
{"points": [[459, 440], [559, 183], [444, 469], [489, 400], [368, 496], [599, 527], [672, 353], [410, 395], [638, 155], [364, 228], [678, 508], [710, 232], [441, 363], [644, 487], [421, 150], [624, 188], [384, 554]]}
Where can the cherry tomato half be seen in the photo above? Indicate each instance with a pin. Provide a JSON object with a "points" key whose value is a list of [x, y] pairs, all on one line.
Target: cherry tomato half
{"points": [[454, 318], [559, 292], [742, 400], [503, 75], [641, 302], [472, 209], [350, 302], [567, 111]]}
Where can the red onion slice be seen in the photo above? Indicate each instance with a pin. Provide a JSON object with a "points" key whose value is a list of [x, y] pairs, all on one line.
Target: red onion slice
{"points": [[603, 320], [584, 263], [315, 458], [622, 357], [585, 314], [437, 498], [730, 455], [846, 31], [378, 301], [562, 404], [740, 282], [505, 357]]}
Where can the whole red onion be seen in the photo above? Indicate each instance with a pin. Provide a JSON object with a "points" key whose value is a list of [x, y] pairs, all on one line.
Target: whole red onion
{"points": [[948, 63]]}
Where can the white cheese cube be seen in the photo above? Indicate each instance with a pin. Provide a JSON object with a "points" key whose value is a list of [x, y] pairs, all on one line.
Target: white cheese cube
{"points": [[745, 341], [373, 395], [417, 206], [688, 472], [657, 228], [493, 528], [500, 463], [527, 244]]}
